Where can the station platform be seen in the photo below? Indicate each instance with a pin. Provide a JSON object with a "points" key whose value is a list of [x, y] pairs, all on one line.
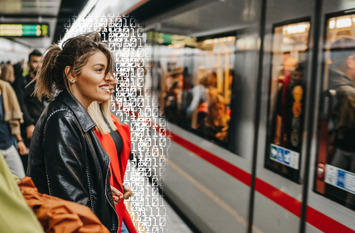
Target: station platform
{"points": [[152, 213]]}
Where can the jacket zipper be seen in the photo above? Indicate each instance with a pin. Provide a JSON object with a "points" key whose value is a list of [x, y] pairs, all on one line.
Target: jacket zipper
{"points": [[47, 176], [118, 220], [107, 170], [90, 186]]}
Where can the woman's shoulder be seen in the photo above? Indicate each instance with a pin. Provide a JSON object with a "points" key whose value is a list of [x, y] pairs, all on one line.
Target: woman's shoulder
{"points": [[57, 112], [58, 108]]}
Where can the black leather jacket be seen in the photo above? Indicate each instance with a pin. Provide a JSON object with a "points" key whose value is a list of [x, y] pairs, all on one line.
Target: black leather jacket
{"points": [[67, 160]]}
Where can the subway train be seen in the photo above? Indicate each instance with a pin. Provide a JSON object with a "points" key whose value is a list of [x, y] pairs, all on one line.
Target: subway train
{"points": [[247, 89], [260, 140]]}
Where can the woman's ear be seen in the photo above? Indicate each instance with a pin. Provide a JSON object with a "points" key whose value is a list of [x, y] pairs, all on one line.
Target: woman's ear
{"points": [[69, 73]]}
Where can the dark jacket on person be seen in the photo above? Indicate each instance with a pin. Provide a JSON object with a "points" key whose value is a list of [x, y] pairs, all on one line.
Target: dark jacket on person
{"points": [[34, 107], [344, 114], [66, 159], [31, 107]]}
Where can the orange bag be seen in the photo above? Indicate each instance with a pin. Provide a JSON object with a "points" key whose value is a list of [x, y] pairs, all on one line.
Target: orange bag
{"points": [[58, 215]]}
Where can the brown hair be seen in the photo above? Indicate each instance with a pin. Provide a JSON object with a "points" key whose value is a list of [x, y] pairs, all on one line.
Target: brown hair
{"points": [[7, 73], [206, 79], [75, 54]]}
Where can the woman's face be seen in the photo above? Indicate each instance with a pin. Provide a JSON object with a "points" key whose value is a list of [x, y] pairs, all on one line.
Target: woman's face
{"points": [[93, 84]]}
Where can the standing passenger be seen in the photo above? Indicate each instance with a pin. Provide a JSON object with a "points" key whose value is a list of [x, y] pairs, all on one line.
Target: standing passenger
{"points": [[7, 73], [66, 159], [216, 124], [342, 80], [31, 107], [200, 98], [10, 118]]}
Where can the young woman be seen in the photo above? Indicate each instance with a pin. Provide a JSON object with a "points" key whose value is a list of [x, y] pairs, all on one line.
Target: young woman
{"points": [[66, 159], [116, 140]]}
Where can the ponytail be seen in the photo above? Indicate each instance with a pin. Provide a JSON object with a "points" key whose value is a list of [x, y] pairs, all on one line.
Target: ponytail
{"points": [[46, 78]]}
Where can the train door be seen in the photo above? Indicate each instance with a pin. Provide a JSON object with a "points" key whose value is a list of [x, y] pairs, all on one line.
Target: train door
{"points": [[332, 195], [209, 177], [282, 129]]}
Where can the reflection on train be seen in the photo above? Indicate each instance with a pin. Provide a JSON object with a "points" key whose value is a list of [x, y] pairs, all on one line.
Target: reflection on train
{"points": [[195, 89]]}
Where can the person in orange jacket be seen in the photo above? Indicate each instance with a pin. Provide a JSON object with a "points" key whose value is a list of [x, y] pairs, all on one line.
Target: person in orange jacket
{"points": [[116, 140]]}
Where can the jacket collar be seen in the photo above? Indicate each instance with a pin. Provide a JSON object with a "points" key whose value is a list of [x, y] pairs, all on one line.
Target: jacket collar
{"points": [[79, 111]]}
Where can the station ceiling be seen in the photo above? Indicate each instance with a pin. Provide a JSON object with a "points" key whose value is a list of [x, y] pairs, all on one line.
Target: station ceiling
{"points": [[53, 12], [198, 17], [189, 17]]}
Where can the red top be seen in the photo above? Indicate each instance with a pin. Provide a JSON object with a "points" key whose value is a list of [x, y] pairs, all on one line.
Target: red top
{"points": [[118, 170]]}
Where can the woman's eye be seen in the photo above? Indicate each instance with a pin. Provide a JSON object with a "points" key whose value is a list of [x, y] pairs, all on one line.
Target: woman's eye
{"points": [[99, 70]]}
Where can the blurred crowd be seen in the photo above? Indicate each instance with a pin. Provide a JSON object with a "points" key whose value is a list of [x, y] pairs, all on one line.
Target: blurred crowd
{"points": [[18, 103], [200, 108]]}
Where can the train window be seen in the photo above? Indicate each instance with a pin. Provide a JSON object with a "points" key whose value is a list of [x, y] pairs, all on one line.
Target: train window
{"points": [[335, 169], [287, 98], [196, 78]]}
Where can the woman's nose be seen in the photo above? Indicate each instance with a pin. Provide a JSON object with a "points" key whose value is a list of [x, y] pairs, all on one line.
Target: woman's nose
{"points": [[114, 81], [110, 78]]}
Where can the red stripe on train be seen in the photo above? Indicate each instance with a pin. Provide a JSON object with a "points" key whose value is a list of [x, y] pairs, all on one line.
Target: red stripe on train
{"points": [[314, 217], [283, 199], [325, 223], [218, 162]]}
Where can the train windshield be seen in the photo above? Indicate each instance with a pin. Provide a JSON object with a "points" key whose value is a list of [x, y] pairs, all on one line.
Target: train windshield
{"points": [[335, 176]]}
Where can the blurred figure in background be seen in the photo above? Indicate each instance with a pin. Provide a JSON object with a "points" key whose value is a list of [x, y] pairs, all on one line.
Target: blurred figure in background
{"points": [[342, 80], [10, 119], [200, 97], [281, 111], [18, 69], [295, 108], [216, 124], [171, 103], [288, 63], [32, 108], [7, 73], [289, 111], [173, 96]]}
